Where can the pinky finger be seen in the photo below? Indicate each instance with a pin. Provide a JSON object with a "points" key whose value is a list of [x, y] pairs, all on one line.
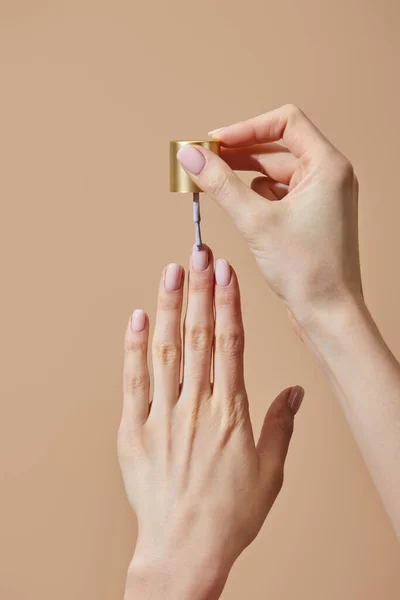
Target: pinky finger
{"points": [[136, 373]]}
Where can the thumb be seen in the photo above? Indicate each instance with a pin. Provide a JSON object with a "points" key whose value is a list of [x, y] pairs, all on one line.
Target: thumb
{"points": [[217, 179], [277, 429]]}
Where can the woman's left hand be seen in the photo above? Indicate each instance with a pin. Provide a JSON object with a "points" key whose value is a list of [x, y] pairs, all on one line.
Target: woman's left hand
{"points": [[199, 484]]}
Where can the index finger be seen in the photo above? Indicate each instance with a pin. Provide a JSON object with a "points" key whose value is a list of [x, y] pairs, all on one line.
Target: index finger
{"points": [[273, 160], [287, 123]]}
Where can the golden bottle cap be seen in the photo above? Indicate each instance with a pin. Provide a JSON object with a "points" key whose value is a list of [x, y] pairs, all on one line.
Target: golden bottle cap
{"points": [[179, 180]]}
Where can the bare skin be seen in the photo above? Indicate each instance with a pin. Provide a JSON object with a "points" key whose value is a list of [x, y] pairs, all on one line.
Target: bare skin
{"points": [[300, 220], [199, 484]]}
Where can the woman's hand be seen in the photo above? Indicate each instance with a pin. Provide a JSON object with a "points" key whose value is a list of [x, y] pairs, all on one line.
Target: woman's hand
{"points": [[199, 484], [300, 217], [300, 220]]}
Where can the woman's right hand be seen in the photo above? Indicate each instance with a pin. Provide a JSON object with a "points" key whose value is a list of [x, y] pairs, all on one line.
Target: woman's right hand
{"points": [[300, 220], [300, 217]]}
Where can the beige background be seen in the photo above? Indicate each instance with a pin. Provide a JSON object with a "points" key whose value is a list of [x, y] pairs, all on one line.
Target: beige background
{"points": [[91, 93]]}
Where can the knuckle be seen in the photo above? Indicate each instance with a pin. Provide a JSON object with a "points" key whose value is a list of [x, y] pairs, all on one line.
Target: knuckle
{"points": [[345, 169], [133, 344], [341, 168], [199, 337], [293, 111], [168, 354], [226, 299], [135, 383], [219, 184], [199, 283], [169, 302], [229, 342]]}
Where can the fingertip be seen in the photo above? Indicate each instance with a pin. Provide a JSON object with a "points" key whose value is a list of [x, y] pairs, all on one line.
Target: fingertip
{"points": [[223, 272], [226, 279], [191, 158], [201, 259], [173, 276], [230, 135], [227, 292], [295, 398], [217, 134], [137, 332], [138, 320]]}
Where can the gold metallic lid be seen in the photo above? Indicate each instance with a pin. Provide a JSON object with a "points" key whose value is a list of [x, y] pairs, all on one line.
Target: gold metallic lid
{"points": [[179, 180]]}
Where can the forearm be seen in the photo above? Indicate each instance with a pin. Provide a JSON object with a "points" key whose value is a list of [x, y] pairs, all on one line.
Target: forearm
{"points": [[366, 378]]}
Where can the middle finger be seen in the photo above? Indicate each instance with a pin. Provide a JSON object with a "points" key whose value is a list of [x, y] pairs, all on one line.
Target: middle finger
{"points": [[199, 323]]}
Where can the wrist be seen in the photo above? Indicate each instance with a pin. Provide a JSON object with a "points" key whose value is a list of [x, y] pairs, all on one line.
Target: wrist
{"points": [[175, 579], [331, 319]]}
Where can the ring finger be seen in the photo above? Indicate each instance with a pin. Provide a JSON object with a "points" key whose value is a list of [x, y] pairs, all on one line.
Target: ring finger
{"points": [[167, 339]]}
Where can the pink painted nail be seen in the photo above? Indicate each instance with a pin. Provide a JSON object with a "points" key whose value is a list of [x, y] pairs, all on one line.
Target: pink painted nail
{"points": [[173, 277], [138, 320], [191, 159], [199, 259], [295, 398], [222, 272]]}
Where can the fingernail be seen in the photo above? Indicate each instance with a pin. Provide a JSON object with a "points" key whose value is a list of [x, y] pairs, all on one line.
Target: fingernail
{"points": [[295, 398], [215, 133], [173, 277], [191, 159], [138, 320], [222, 272], [199, 259]]}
